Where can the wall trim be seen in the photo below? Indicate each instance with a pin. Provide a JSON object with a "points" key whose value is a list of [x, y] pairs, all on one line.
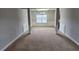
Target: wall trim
{"points": [[19, 36], [61, 33]]}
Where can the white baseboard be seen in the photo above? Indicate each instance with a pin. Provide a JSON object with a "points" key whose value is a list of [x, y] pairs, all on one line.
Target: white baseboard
{"points": [[12, 42], [61, 33]]}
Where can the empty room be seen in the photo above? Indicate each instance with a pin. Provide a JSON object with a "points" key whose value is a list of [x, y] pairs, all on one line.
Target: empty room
{"points": [[39, 29]]}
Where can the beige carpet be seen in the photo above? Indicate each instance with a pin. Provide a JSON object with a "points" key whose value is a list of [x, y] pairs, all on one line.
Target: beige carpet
{"points": [[44, 39]]}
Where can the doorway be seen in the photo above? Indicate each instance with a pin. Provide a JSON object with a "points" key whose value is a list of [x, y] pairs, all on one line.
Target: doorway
{"points": [[57, 20], [40, 17]]}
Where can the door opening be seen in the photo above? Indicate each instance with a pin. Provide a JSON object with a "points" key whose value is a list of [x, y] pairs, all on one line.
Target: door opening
{"points": [[42, 18]]}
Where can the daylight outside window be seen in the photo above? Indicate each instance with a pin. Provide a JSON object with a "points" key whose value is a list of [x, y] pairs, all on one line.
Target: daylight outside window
{"points": [[41, 18]]}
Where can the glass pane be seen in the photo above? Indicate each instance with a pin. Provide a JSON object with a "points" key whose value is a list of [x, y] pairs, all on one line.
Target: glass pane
{"points": [[44, 19], [41, 18], [38, 19]]}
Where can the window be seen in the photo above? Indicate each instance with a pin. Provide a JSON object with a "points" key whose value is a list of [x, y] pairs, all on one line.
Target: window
{"points": [[41, 18]]}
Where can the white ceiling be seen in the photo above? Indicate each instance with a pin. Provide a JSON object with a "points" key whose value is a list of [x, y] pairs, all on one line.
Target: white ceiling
{"points": [[35, 9]]}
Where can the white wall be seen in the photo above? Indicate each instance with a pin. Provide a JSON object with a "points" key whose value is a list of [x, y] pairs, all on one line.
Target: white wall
{"points": [[11, 24], [70, 22], [50, 18]]}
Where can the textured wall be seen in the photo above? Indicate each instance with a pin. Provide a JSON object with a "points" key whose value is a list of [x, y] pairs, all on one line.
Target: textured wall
{"points": [[70, 22], [11, 24]]}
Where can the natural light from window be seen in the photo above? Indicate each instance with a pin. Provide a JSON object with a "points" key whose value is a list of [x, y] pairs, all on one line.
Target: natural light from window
{"points": [[41, 18]]}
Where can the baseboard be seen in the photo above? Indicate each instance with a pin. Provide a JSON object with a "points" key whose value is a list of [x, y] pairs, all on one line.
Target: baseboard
{"points": [[21, 35], [61, 33]]}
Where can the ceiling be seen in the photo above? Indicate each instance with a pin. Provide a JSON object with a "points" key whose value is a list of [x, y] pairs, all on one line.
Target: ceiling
{"points": [[42, 9]]}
